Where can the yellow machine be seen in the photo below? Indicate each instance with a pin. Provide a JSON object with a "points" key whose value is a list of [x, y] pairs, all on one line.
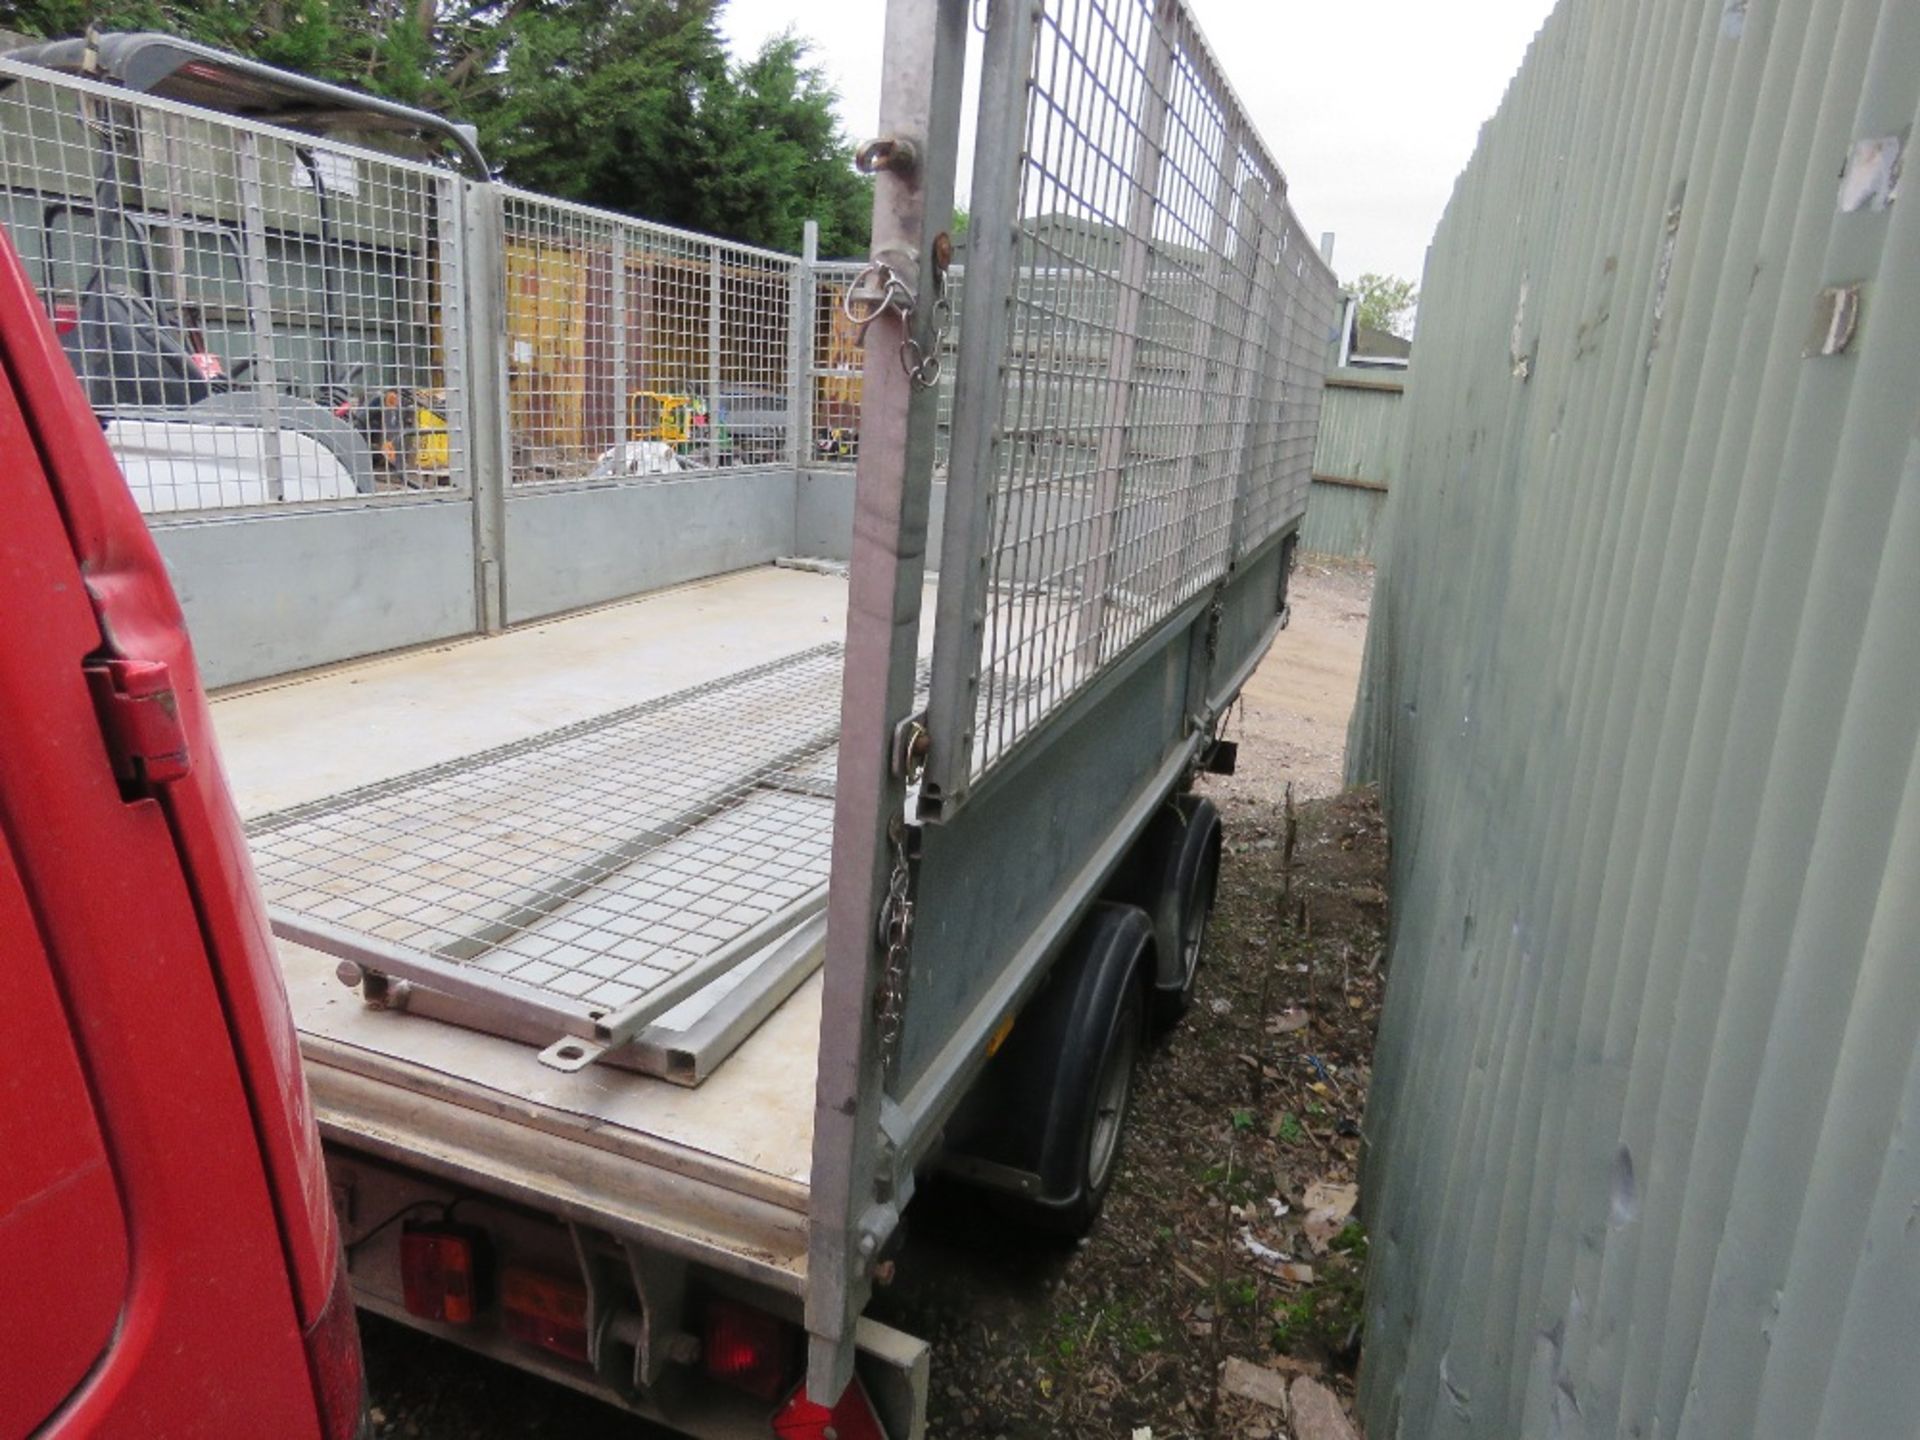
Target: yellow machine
{"points": [[679, 420], [407, 428]]}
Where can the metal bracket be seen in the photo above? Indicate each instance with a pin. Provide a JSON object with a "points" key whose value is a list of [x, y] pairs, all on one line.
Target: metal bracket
{"points": [[910, 745], [887, 152], [571, 1053]]}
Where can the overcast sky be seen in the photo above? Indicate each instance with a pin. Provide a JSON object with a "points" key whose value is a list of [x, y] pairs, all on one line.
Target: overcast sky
{"points": [[1370, 106]]}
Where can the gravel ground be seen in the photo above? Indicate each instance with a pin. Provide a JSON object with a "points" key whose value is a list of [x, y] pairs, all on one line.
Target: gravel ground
{"points": [[1210, 1249]]}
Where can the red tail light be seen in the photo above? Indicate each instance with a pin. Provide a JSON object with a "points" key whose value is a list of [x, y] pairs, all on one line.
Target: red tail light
{"points": [[66, 319], [443, 1271], [333, 1359], [854, 1418], [547, 1311], [747, 1349]]}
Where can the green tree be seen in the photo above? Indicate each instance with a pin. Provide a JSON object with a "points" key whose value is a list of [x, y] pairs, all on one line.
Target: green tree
{"points": [[627, 104], [776, 156], [386, 46], [599, 101], [1387, 302]]}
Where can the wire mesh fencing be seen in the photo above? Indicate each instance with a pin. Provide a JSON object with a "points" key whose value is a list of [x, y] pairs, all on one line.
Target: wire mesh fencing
{"points": [[256, 316], [635, 350], [833, 373], [1157, 367], [833, 370]]}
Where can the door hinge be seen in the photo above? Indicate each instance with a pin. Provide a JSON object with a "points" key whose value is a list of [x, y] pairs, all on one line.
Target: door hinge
{"points": [[140, 718]]}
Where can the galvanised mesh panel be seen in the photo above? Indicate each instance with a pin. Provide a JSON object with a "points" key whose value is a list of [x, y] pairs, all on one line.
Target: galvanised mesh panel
{"points": [[594, 863], [1165, 335], [834, 368], [1287, 419], [257, 317], [634, 350]]}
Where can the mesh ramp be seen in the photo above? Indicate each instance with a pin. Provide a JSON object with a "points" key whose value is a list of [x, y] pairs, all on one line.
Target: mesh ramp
{"points": [[587, 882]]}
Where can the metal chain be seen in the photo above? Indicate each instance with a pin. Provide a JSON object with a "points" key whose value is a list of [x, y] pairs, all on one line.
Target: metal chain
{"points": [[880, 288], [921, 366], [896, 937]]}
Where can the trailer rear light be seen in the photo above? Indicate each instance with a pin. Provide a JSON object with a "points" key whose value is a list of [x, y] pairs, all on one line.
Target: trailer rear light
{"points": [[333, 1361], [854, 1418], [443, 1271], [747, 1349], [66, 318], [546, 1310]]}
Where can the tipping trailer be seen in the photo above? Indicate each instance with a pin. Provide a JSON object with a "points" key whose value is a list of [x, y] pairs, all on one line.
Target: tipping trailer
{"points": [[643, 959]]}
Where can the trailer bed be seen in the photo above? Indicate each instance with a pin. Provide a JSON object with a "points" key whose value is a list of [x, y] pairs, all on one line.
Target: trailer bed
{"points": [[548, 735]]}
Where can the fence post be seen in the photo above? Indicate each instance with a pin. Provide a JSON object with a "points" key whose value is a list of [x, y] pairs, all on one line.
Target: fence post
{"points": [[617, 301], [800, 350], [488, 399], [449, 238], [713, 355], [856, 1196], [265, 375]]}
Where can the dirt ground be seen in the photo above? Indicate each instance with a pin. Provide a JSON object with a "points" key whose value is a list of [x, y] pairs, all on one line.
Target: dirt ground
{"points": [[1226, 1241], [1292, 718]]}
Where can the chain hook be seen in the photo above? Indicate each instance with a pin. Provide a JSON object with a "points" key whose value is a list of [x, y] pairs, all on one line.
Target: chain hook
{"points": [[875, 290]]}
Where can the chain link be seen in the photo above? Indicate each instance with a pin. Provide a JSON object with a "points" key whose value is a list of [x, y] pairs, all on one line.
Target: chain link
{"points": [[924, 367], [880, 288], [896, 937]]}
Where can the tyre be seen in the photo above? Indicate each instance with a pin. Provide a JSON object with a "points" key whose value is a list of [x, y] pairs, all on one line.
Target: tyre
{"points": [[1101, 1097], [1182, 876], [1059, 1106]]}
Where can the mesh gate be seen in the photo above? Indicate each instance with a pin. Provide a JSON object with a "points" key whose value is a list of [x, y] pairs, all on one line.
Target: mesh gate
{"points": [[1143, 411]]}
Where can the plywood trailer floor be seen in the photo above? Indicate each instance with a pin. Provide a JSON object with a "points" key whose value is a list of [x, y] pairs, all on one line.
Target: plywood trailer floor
{"points": [[332, 764]]}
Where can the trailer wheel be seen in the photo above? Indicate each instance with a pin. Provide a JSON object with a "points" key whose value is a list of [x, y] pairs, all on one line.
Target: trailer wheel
{"points": [[1183, 871], [1054, 1104], [1098, 1084]]}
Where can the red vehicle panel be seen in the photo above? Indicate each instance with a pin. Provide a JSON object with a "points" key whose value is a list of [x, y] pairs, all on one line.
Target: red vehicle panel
{"points": [[62, 1232], [228, 1306]]}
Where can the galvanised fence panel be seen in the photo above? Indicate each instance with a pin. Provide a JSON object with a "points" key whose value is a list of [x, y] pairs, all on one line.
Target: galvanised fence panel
{"points": [[1358, 449], [634, 350], [259, 317], [1150, 327], [1361, 433], [1643, 689]]}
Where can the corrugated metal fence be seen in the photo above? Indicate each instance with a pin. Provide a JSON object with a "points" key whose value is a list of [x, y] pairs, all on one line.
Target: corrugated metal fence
{"points": [[1643, 686], [1361, 438]]}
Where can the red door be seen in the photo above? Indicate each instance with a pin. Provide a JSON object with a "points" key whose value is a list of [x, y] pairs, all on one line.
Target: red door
{"points": [[63, 1237], [168, 1266]]}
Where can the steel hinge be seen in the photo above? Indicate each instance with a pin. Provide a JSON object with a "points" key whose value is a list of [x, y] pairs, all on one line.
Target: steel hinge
{"points": [[140, 718]]}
